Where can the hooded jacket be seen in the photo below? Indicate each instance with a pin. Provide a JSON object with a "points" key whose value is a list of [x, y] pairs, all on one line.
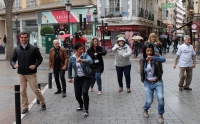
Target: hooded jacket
{"points": [[126, 52]]}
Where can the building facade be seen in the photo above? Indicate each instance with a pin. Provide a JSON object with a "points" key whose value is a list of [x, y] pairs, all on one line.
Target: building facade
{"points": [[33, 14], [127, 17]]}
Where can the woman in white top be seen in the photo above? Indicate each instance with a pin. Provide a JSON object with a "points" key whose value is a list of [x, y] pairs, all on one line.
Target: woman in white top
{"points": [[122, 63]]}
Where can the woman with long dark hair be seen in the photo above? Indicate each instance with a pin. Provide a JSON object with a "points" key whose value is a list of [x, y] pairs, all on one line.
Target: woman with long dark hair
{"points": [[151, 75], [80, 61], [96, 52]]}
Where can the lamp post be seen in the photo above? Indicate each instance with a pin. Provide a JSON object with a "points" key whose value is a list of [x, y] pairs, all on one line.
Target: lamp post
{"points": [[16, 17], [68, 9], [95, 20], [104, 30]]}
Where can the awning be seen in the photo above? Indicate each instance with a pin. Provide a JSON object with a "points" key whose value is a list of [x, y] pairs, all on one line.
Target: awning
{"points": [[183, 26]]}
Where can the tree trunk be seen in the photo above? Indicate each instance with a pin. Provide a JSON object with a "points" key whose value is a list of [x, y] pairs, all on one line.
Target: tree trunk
{"points": [[9, 40]]}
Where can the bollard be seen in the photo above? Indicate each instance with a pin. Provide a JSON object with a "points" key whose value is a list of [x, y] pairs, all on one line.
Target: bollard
{"points": [[39, 86], [17, 104], [50, 80]]}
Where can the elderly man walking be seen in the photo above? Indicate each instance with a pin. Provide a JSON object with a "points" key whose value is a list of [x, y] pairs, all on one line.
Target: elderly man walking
{"points": [[58, 60], [186, 57]]}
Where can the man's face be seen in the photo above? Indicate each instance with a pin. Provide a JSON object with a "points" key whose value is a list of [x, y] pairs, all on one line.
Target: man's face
{"points": [[187, 41], [24, 38], [56, 44]]}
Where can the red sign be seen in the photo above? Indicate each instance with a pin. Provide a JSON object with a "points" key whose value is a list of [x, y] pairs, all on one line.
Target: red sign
{"points": [[61, 16], [122, 28]]}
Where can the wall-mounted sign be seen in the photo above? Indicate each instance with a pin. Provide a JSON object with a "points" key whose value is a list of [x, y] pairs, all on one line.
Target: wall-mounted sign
{"points": [[168, 5]]}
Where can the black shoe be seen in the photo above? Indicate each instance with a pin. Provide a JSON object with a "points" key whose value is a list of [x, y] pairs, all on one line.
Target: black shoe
{"points": [[86, 113], [24, 111], [187, 88], [57, 92], [63, 94], [43, 108], [79, 109]]}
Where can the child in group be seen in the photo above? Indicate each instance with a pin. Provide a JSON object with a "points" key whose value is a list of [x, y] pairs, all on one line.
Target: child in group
{"points": [[151, 75]]}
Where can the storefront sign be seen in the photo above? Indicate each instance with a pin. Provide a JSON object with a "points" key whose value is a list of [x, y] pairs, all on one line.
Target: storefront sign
{"points": [[61, 16], [120, 28]]}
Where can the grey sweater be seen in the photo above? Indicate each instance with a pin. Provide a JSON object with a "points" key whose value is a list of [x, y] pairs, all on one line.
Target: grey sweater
{"points": [[126, 52]]}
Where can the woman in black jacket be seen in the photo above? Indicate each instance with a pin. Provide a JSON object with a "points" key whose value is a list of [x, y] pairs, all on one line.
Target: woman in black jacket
{"points": [[96, 52]]}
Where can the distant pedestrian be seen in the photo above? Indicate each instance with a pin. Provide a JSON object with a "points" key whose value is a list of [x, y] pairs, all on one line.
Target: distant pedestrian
{"points": [[58, 61], [29, 58], [186, 57], [80, 62], [122, 63], [135, 47], [96, 52], [151, 75], [156, 43], [4, 40]]}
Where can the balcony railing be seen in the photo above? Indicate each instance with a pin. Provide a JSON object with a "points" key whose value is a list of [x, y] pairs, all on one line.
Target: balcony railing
{"points": [[145, 14], [73, 2], [113, 12], [30, 3]]}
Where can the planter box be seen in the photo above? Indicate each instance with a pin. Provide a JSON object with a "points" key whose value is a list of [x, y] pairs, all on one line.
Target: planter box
{"points": [[2, 50]]}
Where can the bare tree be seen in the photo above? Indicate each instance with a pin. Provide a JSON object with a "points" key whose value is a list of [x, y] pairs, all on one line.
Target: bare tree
{"points": [[9, 45]]}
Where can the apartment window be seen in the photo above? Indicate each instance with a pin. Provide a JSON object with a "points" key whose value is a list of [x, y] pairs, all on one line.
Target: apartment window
{"points": [[114, 5], [3, 5], [32, 3], [17, 4]]}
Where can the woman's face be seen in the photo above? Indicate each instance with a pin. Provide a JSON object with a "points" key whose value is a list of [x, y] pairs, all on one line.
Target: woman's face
{"points": [[79, 50], [121, 43], [153, 39], [95, 43], [149, 51]]}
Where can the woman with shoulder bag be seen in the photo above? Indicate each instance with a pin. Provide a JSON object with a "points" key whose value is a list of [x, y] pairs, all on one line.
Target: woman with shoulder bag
{"points": [[123, 63], [82, 76], [96, 52]]}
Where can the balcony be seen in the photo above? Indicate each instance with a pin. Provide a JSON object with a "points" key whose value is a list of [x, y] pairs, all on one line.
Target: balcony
{"points": [[113, 12], [30, 3], [145, 14], [73, 2]]}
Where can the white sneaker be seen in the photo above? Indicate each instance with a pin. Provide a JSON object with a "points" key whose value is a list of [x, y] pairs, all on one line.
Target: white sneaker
{"points": [[90, 90], [100, 93], [86, 113]]}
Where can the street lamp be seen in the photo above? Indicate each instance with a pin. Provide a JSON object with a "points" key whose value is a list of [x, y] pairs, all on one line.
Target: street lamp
{"points": [[104, 30], [16, 17], [95, 20], [68, 9]]}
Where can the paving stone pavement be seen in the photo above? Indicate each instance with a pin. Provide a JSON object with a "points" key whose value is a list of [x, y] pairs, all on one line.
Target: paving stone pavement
{"points": [[181, 107]]}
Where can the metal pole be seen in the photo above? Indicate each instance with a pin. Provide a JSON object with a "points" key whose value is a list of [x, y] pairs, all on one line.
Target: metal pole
{"points": [[39, 86], [95, 24], [103, 34], [69, 43], [50, 81], [16, 33], [17, 104]]}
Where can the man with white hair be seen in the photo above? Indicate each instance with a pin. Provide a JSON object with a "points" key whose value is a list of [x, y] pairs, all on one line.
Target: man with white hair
{"points": [[186, 57], [58, 60]]}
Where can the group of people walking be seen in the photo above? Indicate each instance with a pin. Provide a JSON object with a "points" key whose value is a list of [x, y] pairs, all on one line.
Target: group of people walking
{"points": [[88, 67]]}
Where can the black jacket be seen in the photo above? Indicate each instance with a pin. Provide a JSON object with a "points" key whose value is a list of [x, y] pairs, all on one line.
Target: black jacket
{"points": [[97, 67], [26, 57]]}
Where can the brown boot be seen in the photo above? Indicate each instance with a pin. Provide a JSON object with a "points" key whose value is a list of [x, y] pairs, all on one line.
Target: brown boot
{"points": [[128, 90], [145, 114], [120, 89], [160, 119]]}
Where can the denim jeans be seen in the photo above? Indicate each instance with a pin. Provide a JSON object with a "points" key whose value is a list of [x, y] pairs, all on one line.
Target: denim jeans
{"points": [[96, 77], [126, 70], [149, 91]]}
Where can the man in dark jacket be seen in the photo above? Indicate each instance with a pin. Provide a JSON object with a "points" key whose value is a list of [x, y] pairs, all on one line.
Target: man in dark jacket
{"points": [[29, 58]]}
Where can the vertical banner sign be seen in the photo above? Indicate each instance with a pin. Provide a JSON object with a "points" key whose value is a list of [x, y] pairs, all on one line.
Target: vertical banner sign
{"points": [[164, 14]]}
